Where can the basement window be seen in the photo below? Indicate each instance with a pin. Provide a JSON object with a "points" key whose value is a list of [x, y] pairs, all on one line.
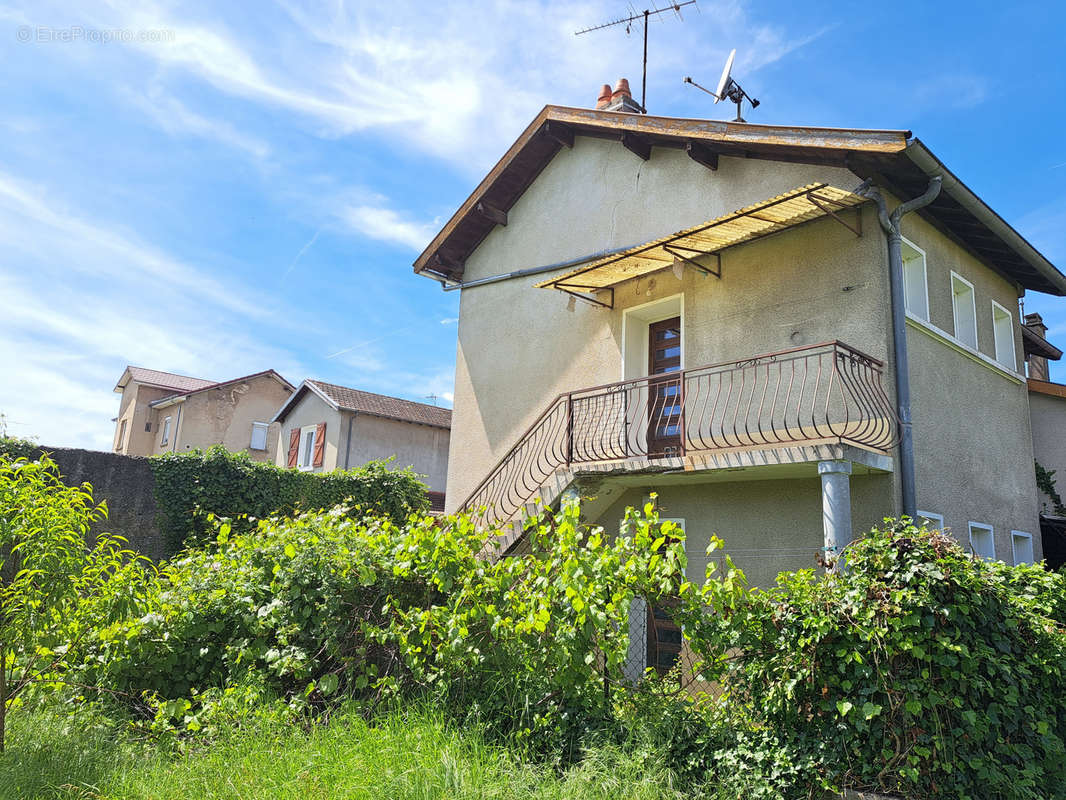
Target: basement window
{"points": [[982, 541], [930, 520], [962, 301], [1022, 547], [915, 281], [259, 435], [166, 431], [1003, 329]]}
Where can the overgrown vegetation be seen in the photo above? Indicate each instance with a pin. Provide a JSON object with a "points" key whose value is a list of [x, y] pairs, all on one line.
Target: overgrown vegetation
{"points": [[54, 586], [193, 486], [917, 670], [1045, 482]]}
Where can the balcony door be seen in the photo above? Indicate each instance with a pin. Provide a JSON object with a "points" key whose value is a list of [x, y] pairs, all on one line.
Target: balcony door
{"points": [[664, 388]]}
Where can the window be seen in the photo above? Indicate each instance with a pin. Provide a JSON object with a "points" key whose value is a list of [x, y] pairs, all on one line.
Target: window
{"points": [[982, 541], [121, 436], [259, 435], [962, 301], [166, 431], [1003, 329], [915, 283], [1022, 547], [307, 447], [931, 520]]}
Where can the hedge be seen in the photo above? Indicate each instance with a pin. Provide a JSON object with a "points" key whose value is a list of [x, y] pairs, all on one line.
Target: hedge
{"points": [[191, 486]]}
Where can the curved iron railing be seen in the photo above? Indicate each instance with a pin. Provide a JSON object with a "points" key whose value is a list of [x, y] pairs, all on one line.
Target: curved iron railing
{"points": [[828, 392]]}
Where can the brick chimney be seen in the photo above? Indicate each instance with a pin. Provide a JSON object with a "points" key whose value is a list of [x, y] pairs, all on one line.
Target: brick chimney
{"points": [[618, 99], [1038, 366]]}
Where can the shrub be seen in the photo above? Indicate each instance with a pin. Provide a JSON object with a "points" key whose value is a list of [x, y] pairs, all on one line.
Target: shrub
{"points": [[191, 486], [917, 670], [53, 582]]}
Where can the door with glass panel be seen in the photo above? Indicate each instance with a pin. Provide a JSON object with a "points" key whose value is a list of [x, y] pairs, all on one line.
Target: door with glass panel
{"points": [[664, 388]]}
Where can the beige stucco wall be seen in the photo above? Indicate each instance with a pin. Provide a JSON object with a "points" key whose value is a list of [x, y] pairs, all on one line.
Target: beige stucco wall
{"points": [[312, 410], [519, 347], [135, 410], [973, 445], [767, 525], [1048, 416], [225, 416], [422, 447]]}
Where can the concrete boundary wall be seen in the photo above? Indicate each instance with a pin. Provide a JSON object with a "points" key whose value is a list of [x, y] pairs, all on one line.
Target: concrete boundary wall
{"points": [[128, 486]]}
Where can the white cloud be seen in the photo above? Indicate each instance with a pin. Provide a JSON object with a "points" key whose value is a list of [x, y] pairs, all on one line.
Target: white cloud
{"points": [[175, 118], [387, 225], [98, 250]]}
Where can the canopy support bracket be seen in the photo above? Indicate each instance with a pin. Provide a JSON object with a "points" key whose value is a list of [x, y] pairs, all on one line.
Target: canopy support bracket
{"points": [[588, 299], [823, 204], [674, 249]]}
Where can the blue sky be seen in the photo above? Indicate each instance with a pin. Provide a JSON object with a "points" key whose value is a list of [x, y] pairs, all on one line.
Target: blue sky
{"points": [[237, 187]]}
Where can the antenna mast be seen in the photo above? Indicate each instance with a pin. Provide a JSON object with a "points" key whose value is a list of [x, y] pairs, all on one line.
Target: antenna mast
{"points": [[641, 17]]}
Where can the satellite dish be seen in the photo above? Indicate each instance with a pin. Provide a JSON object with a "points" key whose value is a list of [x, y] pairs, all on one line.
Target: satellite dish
{"points": [[723, 83]]}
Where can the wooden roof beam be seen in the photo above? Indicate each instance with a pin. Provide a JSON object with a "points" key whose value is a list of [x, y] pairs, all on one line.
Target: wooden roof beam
{"points": [[637, 145], [702, 154], [562, 135], [492, 213]]}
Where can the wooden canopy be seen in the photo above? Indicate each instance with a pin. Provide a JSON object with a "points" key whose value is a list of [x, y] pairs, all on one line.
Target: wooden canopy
{"points": [[691, 246]]}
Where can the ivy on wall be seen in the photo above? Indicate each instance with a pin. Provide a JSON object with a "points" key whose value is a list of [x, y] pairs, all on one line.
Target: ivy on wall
{"points": [[1045, 482], [192, 485]]}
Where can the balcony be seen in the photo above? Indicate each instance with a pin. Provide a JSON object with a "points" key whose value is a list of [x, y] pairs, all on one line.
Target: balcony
{"points": [[822, 394]]}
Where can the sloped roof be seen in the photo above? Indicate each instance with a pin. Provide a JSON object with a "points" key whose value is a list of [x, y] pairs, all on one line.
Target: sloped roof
{"points": [[211, 385], [162, 380], [378, 405], [892, 158]]}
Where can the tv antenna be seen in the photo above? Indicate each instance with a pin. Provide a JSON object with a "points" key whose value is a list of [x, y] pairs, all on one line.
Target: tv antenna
{"points": [[641, 17], [728, 89]]}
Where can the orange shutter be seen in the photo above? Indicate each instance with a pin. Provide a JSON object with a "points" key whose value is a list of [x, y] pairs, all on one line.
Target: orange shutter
{"points": [[294, 447], [320, 444]]}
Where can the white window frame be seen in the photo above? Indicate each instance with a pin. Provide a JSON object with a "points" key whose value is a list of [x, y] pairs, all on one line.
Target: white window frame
{"points": [[921, 258], [164, 437], [309, 450], [975, 345], [121, 435], [1014, 536], [1005, 353], [929, 516], [265, 428], [981, 526]]}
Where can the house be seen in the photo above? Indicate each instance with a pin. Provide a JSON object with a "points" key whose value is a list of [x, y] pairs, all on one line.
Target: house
{"points": [[161, 412], [325, 427], [717, 312], [1047, 413]]}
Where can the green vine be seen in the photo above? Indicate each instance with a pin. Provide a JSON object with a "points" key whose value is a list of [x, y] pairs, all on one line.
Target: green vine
{"points": [[1045, 482]]}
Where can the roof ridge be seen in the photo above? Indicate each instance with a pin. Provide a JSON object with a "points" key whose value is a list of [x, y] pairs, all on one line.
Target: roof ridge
{"points": [[376, 394]]}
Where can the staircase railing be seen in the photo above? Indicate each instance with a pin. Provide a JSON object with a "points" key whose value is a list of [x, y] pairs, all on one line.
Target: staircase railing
{"points": [[828, 392]]}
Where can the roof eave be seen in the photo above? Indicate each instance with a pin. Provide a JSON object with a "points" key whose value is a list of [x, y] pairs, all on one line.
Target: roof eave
{"points": [[923, 158], [297, 396]]}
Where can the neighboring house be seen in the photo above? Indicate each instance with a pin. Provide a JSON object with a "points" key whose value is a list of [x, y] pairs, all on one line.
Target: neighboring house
{"points": [[1047, 410], [749, 379], [161, 412], [326, 427]]}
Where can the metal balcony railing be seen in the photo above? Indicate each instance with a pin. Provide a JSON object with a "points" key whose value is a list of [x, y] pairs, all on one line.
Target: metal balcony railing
{"points": [[826, 393]]}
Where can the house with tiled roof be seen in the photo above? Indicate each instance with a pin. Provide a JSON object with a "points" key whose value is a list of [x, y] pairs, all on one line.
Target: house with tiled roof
{"points": [[163, 412], [324, 427], [785, 333]]}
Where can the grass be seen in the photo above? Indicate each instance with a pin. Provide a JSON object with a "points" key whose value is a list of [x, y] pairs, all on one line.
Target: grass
{"points": [[400, 756]]}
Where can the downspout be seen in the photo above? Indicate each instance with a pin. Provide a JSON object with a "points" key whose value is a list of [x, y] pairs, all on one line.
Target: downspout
{"points": [[890, 223], [177, 428], [348, 444]]}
